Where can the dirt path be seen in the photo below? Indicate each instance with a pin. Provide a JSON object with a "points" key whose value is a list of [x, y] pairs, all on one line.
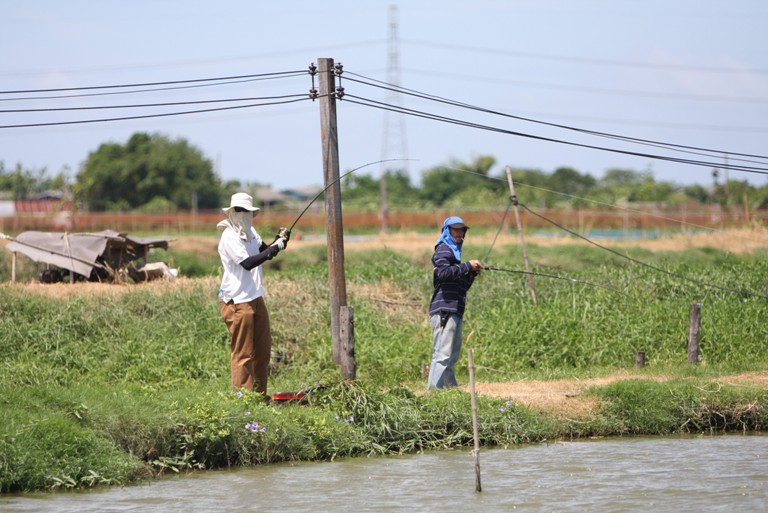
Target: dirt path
{"points": [[738, 241], [564, 398]]}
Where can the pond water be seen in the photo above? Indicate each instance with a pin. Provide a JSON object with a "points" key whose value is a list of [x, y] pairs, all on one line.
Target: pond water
{"points": [[702, 474]]}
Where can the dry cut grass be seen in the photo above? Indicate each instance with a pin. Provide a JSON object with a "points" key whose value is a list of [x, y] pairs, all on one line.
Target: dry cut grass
{"points": [[739, 241], [563, 397]]}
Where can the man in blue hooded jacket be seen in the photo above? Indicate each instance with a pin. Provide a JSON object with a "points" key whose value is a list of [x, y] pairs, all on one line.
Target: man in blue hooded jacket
{"points": [[451, 279]]}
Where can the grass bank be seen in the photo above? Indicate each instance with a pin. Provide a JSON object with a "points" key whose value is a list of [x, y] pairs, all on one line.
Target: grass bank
{"points": [[107, 384]]}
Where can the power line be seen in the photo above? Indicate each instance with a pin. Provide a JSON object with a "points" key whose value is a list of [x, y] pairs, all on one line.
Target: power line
{"points": [[155, 89], [439, 99], [200, 62], [147, 116], [595, 90], [578, 59], [376, 104], [147, 84], [145, 105]]}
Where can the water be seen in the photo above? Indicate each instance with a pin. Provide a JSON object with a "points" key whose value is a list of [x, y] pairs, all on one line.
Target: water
{"points": [[702, 474]]}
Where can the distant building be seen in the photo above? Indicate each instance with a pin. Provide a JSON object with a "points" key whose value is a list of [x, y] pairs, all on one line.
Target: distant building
{"points": [[47, 202], [267, 197], [56, 204], [303, 193], [7, 208]]}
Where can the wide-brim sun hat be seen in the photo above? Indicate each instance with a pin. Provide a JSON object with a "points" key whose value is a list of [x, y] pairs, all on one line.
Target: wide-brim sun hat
{"points": [[242, 200]]}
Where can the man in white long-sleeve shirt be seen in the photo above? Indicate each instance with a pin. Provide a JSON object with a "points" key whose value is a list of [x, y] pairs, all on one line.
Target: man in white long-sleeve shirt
{"points": [[241, 296]]}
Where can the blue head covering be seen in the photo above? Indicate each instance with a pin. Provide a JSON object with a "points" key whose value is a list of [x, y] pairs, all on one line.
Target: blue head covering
{"points": [[447, 238]]}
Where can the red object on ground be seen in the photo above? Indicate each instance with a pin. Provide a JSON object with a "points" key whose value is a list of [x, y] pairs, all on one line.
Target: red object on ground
{"points": [[282, 397]]}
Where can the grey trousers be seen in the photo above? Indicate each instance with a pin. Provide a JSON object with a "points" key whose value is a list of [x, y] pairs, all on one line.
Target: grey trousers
{"points": [[446, 347]]}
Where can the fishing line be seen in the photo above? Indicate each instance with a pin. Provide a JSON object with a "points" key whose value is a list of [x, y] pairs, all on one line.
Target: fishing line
{"points": [[334, 182], [600, 203], [566, 278], [501, 225], [513, 201], [650, 266]]}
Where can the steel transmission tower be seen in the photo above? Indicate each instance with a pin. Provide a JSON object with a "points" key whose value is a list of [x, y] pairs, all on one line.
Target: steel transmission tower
{"points": [[394, 141]]}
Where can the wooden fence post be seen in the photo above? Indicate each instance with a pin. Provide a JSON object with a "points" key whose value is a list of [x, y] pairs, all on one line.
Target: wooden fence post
{"points": [[475, 428], [693, 333], [347, 338], [513, 198]]}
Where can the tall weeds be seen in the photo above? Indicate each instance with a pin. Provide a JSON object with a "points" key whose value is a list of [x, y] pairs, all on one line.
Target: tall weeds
{"points": [[102, 388]]}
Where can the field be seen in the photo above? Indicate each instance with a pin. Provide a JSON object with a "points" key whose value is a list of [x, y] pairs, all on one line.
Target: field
{"points": [[106, 383]]}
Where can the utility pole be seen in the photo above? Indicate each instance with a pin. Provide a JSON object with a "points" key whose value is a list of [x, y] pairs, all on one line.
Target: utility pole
{"points": [[343, 354]]}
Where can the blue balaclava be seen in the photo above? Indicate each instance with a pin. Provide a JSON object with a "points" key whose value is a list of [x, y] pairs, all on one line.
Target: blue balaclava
{"points": [[447, 238]]}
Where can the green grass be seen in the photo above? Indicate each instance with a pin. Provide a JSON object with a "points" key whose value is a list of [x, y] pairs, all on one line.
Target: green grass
{"points": [[109, 389]]}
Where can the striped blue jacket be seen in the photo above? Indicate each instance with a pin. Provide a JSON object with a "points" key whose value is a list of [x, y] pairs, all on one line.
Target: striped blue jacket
{"points": [[451, 280]]}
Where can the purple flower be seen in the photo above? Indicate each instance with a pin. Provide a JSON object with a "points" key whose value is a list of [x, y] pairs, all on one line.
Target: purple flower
{"points": [[253, 427], [239, 394], [502, 409], [247, 413]]}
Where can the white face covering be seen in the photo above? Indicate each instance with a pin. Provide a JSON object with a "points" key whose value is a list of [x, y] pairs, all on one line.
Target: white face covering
{"points": [[242, 222]]}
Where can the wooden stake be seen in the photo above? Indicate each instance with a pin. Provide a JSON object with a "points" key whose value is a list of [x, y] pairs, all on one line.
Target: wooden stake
{"points": [[693, 333], [475, 431], [347, 332], [531, 287], [640, 359]]}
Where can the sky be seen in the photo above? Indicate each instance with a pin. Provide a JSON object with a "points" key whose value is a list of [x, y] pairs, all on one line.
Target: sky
{"points": [[691, 73]]}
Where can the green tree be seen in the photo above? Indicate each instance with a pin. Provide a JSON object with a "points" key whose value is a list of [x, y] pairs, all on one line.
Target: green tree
{"points": [[22, 183], [147, 168], [624, 177], [442, 182], [365, 190], [567, 181], [697, 192], [759, 199], [652, 191]]}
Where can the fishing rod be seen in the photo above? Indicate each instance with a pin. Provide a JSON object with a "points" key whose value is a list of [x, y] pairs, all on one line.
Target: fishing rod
{"points": [[330, 185], [545, 275]]}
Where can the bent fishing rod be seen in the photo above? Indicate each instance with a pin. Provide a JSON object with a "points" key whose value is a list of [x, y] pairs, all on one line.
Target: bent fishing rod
{"points": [[545, 275], [333, 183]]}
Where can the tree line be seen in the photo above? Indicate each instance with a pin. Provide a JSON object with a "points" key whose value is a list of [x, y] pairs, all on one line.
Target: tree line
{"points": [[152, 172]]}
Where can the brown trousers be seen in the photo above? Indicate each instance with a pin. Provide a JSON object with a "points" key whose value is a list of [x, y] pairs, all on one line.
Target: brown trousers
{"points": [[251, 345]]}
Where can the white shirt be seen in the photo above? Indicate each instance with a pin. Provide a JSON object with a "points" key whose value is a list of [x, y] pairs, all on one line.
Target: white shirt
{"points": [[239, 284]]}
